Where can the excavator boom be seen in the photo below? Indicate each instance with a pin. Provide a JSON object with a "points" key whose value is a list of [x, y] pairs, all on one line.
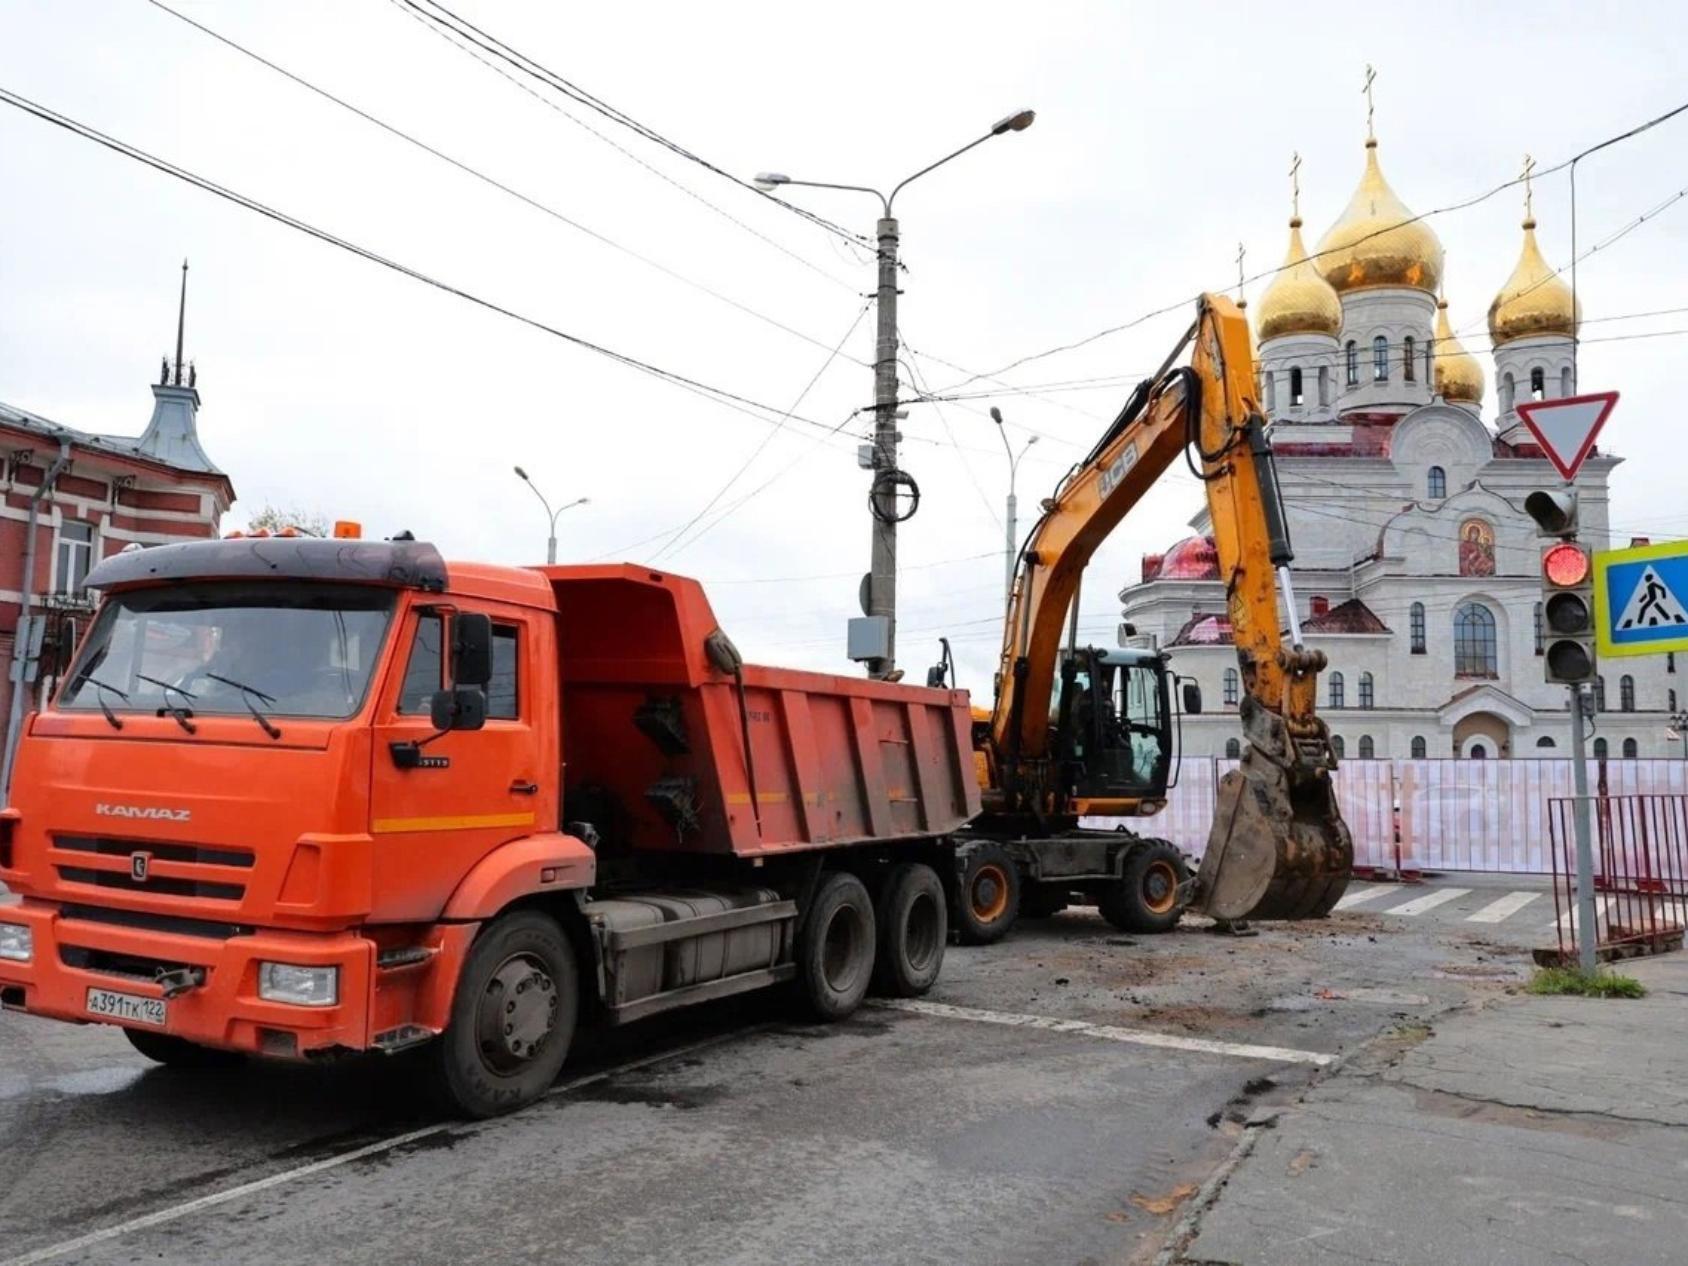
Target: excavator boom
{"points": [[1279, 847]]}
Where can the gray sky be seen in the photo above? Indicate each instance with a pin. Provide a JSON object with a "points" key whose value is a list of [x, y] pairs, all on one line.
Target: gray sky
{"points": [[1162, 140]]}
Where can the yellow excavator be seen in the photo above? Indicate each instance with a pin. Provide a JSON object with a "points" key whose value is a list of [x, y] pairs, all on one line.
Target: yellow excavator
{"points": [[1081, 731]]}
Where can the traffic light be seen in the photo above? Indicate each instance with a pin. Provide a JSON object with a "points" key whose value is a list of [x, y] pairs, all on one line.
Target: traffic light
{"points": [[1567, 579], [1554, 510]]}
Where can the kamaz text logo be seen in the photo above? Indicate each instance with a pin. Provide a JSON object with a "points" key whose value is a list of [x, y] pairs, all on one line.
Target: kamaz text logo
{"points": [[146, 812]]}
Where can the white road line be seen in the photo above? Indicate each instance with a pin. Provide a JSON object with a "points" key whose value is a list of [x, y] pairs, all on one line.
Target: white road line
{"points": [[1108, 1032], [174, 1212], [1429, 901], [1567, 918], [1503, 908], [1359, 896]]}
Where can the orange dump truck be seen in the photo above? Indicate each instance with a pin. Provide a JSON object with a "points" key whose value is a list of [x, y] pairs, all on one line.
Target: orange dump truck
{"points": [[299, 797]]}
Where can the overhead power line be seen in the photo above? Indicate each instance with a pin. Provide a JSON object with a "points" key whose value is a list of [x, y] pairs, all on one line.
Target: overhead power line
{"points": [[764, 413]]}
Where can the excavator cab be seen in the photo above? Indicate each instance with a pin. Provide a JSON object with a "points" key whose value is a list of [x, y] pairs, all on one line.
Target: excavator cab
{"points": [[1113, 725]]}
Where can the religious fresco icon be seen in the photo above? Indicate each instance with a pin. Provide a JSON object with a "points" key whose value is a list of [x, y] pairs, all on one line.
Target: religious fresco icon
{"points": [[1476, 548]]}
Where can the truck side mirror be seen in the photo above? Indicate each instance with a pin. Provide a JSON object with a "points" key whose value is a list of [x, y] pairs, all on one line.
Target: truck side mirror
{"points": [[471, 651], [1193, 698], [459, 708]]}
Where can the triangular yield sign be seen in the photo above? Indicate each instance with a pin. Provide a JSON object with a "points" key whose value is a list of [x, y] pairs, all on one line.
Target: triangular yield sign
{"points": [[1566, 428], [1653, 605]]}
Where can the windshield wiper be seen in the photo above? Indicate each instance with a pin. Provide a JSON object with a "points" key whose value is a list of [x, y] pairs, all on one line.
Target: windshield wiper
{"points": [[247, 694], [105, 707], [182, 713]]}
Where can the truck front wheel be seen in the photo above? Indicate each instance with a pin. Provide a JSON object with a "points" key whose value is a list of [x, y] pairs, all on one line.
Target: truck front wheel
{"points": [[835, 947], [512, 1019], [913, 927]]}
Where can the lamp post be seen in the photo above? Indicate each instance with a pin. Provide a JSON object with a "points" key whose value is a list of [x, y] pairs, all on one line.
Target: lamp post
{"points": [[881, 594], [551, 540], [1013, 538]]}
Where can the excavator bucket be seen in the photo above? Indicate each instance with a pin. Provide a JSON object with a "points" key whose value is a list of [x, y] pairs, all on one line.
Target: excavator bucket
{"points": [[1279, 848]]}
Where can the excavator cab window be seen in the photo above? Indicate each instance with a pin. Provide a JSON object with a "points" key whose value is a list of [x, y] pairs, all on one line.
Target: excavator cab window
{"points": [[1118, 733]]}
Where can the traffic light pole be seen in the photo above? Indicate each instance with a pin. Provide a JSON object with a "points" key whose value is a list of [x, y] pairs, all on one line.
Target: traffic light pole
{"points": [[1587, 933]]}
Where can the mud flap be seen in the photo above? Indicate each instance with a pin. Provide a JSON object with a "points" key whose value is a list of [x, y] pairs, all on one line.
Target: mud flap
{"points": [[1279, 849]]}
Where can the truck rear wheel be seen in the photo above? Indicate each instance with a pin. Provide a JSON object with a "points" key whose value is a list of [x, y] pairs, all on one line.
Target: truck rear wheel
{"points": [[835, 948], [1145, 897], [913, 928], [178, 1052], [512, 1018], [987, 899]]}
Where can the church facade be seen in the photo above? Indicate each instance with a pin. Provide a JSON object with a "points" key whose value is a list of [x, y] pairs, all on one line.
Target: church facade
{"points": [[1416, 569]]}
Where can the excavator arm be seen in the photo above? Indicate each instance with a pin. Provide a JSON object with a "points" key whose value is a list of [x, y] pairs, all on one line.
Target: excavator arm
{"points": [[1279, 847]]}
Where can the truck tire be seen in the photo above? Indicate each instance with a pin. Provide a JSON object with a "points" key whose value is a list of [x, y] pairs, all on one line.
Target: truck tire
{"points": [[512, 1018], [1145, 897], [835, 948], [913, 922], [987, 898], [178, 1052]]}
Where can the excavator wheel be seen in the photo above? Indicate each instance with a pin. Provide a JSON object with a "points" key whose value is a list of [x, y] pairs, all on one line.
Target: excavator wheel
{"points": [[987, 897], [1145, 897]]}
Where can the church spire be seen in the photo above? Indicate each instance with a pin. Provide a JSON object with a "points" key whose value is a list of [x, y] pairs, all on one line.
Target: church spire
{"points": [[181, 321]]}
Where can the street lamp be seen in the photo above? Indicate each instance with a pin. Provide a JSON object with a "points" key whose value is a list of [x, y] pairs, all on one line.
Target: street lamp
{"points": [[880, 643], [1013, 541], [551, 541]]}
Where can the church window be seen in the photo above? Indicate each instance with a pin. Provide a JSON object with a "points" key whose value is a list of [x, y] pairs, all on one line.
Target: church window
{"points": [[1670, 701], [1600, 749], [1366, 748], [1600, 694], [1565, 381], [1380, 359], [1479, 752], [1538, 384], [1295, 396], [1438, 482], [1324, 385], [1541, 633], [1427, 346], [1476, 653], [1271, 392], [1366, 695], [1336, 690], [1670, 661], [1507, 389], [1337, 746], [1631, 750], [1353, 364], [1416, 620], [1545, 740], [1230, 687], [1419, 750], [1233, 749], [1626, 693], [1407, 365]]}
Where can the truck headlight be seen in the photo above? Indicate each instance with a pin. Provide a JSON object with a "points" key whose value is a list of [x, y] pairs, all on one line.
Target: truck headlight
{"points": [[17, 942], [300, 986]]}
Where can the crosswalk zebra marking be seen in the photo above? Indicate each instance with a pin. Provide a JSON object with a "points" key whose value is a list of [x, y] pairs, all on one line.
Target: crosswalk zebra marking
{"points": [[1429, 901], [1359, 896], [1503, 908]]}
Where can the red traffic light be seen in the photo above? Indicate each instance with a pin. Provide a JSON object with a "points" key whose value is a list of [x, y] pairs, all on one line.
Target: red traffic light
{"points": [[1565, 565]]}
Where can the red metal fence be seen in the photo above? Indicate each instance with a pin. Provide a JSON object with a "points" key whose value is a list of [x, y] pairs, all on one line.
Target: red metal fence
{"points": [[1640, 853]]}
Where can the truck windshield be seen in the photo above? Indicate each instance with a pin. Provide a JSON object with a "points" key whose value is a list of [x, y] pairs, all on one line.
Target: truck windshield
{"points": [[303, 650]]}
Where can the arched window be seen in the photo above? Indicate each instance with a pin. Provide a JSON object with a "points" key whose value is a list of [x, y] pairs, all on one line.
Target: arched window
{"points": [[1545, 740], [1541, 632], [1233, 749], [1380, 359], [1324, 385], [1475, 651], [1631, 749], [1538, 383], [1336, 690], [1295, 397], [1437, 483], [1337, 746], [1600, 694], [1626, 693], [1271, 392], [1407, 365], [1508, 390], [1353, 364], [1418, 747], [1366, 748], [1365, 691], [1479, 752], [1600, 749], [1230, 687], [1564, 382], [1416, 621]]}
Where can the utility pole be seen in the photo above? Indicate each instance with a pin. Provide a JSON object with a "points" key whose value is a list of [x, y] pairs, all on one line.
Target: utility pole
{"points": [[873, 640], [1011, 545], [1587, 933]]}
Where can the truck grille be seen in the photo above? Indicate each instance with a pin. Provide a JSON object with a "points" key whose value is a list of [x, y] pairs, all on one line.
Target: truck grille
{"points": [[111, 963], [203, 854], [95, 876], [167, 887]]}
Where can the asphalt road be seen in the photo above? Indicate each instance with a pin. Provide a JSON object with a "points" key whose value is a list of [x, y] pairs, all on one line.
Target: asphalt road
{"points": [[1061, 1102]]}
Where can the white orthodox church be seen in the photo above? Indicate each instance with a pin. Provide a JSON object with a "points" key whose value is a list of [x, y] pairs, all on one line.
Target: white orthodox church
{"points": [[1416, 568]]}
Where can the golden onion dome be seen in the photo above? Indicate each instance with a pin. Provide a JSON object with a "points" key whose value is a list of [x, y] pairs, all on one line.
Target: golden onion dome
{"points": [[1456, 376], [1298, 301], [1377, 242], [1534, 300]]}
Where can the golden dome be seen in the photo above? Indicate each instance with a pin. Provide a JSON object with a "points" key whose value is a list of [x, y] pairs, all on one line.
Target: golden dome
{"points": [[1456, 375], [1534, 300], [1298, 301], [1376, 241]]}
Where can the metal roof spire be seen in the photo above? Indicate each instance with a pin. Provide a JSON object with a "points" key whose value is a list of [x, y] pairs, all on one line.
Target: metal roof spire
{"points": [[181, 322]]}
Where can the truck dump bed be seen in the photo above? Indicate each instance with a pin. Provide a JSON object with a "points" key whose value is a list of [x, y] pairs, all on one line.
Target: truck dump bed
{"points": [[665, 747]]}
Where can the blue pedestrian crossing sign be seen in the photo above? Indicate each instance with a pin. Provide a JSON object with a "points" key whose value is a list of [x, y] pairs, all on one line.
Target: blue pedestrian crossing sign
{"points": [[1641, 599]]}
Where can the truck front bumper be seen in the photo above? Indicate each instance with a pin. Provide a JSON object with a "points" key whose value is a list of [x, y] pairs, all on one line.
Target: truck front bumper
{"points": [[74, 955]]}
